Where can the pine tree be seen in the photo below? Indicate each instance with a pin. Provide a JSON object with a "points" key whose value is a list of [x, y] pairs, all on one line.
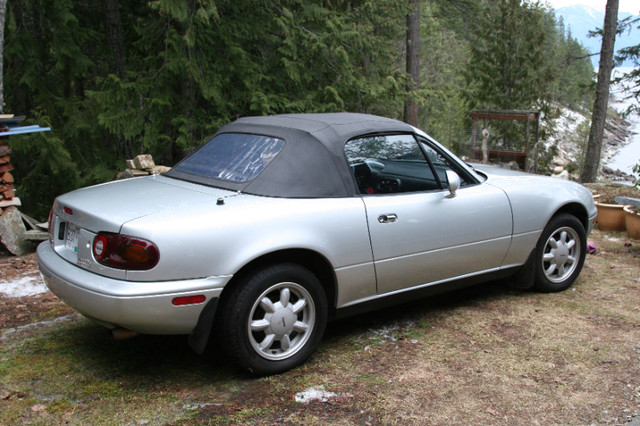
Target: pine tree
{"points": [[631, 78], [413, 62], [507, 67]]}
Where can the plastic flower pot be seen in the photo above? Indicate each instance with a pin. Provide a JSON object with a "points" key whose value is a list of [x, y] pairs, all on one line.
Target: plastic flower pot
{"points": [[632, 221], [610, 217]]}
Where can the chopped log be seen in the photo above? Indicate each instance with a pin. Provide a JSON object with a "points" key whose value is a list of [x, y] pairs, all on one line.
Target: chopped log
{"points": [[4, 159], [5, 167], [15, 201], [9, 193], [33, 224], [144, 162], [130, 173], [6, 177], [160, 169], [12, 232], [142, 165], [35, 235], [5, 149]]}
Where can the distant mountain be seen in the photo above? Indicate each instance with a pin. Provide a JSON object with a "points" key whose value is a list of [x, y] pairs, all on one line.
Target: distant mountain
{"points": [[579, 20]]}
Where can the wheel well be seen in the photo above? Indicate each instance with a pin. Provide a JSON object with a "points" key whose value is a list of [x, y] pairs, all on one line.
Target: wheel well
{"points": [[311, 260], [576, 210]]}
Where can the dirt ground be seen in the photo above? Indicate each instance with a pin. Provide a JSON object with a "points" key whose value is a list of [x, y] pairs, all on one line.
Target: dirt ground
{"points": [[486, 355], [24, 310]]}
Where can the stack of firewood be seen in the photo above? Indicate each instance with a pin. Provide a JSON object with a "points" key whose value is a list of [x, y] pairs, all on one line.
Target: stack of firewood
{"points": [[7, 191], [14, 235], [12, 228]]}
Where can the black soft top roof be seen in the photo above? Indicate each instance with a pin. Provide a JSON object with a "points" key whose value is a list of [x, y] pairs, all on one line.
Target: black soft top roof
{"points": [[312, 163]]}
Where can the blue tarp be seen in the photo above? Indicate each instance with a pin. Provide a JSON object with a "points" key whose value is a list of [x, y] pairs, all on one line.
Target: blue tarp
{"points": [[19, 130], [9, 125]]}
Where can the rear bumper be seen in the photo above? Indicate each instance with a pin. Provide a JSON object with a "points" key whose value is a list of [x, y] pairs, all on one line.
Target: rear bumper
{"points": [[145, 307]]}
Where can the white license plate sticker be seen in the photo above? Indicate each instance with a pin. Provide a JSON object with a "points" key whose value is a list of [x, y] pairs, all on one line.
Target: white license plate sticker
{"points": [[71, 239]]}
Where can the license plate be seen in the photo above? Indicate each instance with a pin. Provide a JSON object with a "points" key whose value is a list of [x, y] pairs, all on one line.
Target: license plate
{"points": [[71, 239]]}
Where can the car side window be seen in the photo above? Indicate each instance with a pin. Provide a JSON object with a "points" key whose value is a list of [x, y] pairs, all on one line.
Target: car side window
{"points": [[441, 164], [390, 164]]}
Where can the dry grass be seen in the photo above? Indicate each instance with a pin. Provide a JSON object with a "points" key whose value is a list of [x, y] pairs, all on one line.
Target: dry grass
{"points": [[609, 191], [498, 356]]}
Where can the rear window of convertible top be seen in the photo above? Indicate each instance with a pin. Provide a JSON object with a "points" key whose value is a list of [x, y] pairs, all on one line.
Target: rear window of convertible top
{"points": [[234, 157]]}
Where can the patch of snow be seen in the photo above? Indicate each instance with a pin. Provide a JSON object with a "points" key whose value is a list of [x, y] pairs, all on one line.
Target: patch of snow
{"points": [[386, 332], [314, 394], [389, 332], [54, 321], [564, 135], [628, 155], [26, 285], [196, 406]]}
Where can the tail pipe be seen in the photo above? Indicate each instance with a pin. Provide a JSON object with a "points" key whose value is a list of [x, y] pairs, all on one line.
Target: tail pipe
{"points": [[118, 334]]}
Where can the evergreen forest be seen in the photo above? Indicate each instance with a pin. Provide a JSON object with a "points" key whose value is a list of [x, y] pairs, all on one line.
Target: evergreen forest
{"points": [[114, 79]]}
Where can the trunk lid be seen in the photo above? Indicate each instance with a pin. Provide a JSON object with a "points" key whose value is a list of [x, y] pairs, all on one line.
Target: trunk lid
{"points": [[108, 206], [79, 215]]}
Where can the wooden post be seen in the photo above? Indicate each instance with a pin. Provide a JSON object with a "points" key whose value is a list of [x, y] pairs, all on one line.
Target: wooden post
{"points": [[473, 132], [535, 142], [526, 144]]}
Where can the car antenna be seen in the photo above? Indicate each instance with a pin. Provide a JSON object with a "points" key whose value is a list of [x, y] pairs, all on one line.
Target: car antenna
{"points": [[220, 201]]}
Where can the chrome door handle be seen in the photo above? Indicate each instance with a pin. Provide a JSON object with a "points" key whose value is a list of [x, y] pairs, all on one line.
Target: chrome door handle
{"points": [[388, 218]]}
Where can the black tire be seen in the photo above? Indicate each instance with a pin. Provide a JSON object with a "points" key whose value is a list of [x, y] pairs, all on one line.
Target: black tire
{"points": [[273, 319], [560, 253]]}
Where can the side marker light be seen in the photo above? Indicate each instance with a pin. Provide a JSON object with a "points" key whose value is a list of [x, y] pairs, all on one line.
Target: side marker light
{"points": [[189, 300]]}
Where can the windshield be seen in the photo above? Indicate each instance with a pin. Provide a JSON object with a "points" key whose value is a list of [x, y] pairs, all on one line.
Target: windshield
{"points": [[234, 157]]}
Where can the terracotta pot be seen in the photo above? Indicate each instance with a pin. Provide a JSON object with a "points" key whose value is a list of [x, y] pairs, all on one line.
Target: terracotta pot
{"points": [[632, 221], [610, 217]]}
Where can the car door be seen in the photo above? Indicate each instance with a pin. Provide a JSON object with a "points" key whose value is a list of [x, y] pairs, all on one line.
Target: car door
{"points": [[421, 234]]}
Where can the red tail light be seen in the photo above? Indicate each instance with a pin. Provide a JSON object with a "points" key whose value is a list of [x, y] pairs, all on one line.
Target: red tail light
{"points": [[123, 252]]}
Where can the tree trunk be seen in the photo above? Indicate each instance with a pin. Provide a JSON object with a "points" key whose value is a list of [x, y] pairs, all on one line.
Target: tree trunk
{"points": [[413, 63], [599, 114], [115, 41], [3, 12]]}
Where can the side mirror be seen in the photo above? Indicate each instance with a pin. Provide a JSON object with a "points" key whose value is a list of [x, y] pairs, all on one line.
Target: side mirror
{"points": [[454, 182]]}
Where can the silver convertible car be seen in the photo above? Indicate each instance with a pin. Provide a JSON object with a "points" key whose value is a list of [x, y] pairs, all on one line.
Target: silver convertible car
{"points": [[280, 223]]}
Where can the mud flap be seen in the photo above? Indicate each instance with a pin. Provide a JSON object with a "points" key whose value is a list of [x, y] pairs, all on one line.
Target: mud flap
{"points": [[200, 337], [525, 277]]}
